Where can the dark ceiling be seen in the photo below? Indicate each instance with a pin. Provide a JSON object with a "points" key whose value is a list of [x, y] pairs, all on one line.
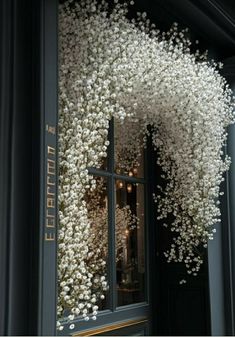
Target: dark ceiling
{"points": [[212, 22], [228, 6]]}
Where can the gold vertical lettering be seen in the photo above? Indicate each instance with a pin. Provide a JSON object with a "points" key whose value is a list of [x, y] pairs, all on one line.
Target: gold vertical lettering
{"points": [[50, 186]]}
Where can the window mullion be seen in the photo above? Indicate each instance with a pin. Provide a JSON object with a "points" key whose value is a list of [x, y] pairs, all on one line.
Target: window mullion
{"points": [[112, 250], [111, 205], [111, 147]]}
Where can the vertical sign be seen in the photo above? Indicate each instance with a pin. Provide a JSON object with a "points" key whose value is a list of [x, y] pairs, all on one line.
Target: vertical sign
{"points": [[49, 226], [48, 205]]}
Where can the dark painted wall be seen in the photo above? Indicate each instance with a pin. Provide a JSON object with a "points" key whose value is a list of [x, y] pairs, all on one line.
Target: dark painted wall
{"points": [[22, 105], [16, 165]]}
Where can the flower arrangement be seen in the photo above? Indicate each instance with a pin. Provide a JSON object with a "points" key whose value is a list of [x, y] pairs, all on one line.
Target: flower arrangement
{"points": [[129, 142], [111, 66]]}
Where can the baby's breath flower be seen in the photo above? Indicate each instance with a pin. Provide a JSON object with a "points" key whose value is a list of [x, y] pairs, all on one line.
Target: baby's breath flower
{"points": [[111, 67]]}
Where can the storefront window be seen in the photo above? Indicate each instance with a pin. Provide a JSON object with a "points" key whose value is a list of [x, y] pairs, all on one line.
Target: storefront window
{"points": [[97, 259], [121, 226], [108, 229], [129, 229]]}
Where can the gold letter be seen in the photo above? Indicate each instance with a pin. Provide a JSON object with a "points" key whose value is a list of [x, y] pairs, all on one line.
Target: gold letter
{"points": [[52, 224], [49, 236], [51, 166], [49, 182], [51, 202], [51, 150], [48, 215], [48, 191]]}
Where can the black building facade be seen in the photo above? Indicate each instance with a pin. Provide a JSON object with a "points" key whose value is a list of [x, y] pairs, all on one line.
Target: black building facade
{"points": [[28, 139]]}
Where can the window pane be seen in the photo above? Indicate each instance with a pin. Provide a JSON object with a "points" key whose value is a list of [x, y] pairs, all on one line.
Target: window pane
{"points": [[103, 162], [97, 259], [129, 150], [130, 251], [83, 255]]}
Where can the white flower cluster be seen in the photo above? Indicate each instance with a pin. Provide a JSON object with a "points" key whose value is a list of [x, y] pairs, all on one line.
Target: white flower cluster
{"points": [[113, 67], [129, 142]]}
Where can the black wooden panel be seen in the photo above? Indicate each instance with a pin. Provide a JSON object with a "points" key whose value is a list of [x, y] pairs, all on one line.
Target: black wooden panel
{"points": [[177, 309], [187, 311], [228, 216], [20, 62], [181, 309], [6, 84], [16, 183]]}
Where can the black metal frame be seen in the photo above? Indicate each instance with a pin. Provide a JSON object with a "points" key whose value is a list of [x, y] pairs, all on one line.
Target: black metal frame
{"points": [[228, 215]]}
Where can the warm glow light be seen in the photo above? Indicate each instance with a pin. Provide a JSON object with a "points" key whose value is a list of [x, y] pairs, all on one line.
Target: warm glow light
{"points": [[130, 174], [120, 184], [135, 170], [129, 188]]}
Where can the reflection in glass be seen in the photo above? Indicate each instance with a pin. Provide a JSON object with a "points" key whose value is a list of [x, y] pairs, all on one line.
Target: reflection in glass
{"points": [[97, 258], [130, 256], [129, 151], [103, 161]]}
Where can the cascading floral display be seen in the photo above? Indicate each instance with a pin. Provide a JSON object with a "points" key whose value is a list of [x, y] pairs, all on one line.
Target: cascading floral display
{"points": [[111, 66], [129, 141]]}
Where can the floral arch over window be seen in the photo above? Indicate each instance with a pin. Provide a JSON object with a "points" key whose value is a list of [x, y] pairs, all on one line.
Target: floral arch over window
{"points": [[113, 67]]}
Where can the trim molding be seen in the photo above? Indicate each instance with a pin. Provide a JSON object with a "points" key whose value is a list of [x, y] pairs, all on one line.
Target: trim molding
{"points": [[223, 12], [209, 21], [108, 328]]}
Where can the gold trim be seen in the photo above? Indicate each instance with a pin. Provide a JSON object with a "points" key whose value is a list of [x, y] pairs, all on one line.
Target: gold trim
{"points": [[112, 327]]}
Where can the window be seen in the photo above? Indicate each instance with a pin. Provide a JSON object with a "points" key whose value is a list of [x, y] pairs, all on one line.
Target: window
{"points": [[117, 214]]}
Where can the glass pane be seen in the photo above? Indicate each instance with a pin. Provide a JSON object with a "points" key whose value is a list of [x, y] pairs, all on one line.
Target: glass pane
{"points": [[129, 149], [130, 250], [83, 255], [103, 161], [97, 258]]}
